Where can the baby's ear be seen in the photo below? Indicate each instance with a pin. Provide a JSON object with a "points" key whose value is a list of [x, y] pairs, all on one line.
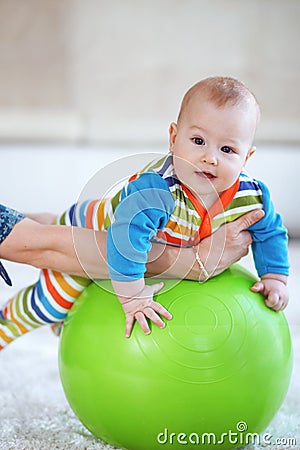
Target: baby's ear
{"points": [[172, 135], [250, 152]]}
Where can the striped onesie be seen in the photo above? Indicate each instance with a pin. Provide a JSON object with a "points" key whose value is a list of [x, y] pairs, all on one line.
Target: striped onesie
{"points": [[153, 206]]}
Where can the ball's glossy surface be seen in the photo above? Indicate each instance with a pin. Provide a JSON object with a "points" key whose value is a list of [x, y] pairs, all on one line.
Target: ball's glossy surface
{"points": [[222, 364]]}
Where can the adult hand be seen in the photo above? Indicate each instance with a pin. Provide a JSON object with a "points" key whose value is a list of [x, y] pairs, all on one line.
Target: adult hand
{"points": [[218, 251], [228, 244]]}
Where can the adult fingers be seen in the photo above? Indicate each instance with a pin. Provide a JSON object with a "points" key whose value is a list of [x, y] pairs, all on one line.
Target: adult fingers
{"points": [[248, 219], [245, 240]]}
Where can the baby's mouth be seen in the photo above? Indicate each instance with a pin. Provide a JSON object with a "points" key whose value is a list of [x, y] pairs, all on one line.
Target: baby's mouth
{"points": [[206, 175]]}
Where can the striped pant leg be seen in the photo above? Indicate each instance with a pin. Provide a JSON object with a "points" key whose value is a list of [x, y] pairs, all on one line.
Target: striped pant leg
{"points": [[49, 300]]}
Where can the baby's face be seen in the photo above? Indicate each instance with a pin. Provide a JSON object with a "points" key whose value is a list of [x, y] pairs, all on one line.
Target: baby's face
{"points": [[211, 144]]}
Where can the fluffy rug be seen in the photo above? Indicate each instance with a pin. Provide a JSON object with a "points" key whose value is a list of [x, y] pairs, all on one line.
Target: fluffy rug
{"points": [[34, 414]]}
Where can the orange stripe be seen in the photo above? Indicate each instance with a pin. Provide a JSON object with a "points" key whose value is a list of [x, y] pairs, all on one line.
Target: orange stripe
{"points": [[197, 205], [100, 214], [225, 199], [53, 292], [178, 228], [5, 338], [133, 177], [90, 214], [65, 285], [220, 204]]}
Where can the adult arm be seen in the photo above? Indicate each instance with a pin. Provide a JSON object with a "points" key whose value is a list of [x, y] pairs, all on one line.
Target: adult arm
{"points": [[232, 241], [52, 246]]}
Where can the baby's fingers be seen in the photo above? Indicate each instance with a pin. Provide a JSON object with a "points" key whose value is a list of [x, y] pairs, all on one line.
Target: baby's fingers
{"points": [[151, 314], [273, 301], [140, 317], [129, 323], [157, 307], [258, 287], [157, 287]]}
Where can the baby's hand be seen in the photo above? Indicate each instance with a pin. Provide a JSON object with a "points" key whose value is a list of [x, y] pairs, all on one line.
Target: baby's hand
{"points": [[274, 290], [142, 306]]}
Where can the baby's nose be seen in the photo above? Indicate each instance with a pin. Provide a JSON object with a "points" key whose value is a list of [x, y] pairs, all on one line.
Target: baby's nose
{"points": [[209, 157]]}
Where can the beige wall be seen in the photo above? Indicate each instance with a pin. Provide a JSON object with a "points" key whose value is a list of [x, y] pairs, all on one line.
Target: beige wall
{"points": [[115, 71]]}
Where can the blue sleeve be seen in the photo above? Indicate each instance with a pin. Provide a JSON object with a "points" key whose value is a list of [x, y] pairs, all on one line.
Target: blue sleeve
{"points": [[145, 207], [8, 219], [270, 239]]}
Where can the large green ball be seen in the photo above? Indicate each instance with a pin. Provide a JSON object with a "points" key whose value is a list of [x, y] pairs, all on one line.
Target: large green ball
{"points": [[223, 363]]}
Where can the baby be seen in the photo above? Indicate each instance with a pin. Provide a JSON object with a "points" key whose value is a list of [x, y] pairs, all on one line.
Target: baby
{"points": [[192, 191], [178, 200]]}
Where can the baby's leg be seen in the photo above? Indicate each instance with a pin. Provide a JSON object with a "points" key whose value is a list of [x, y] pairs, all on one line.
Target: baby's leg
{"points": [[49, 300]]}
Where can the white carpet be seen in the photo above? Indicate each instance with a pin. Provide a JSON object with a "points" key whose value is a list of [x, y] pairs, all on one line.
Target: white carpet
{"points": [[34, 414]]}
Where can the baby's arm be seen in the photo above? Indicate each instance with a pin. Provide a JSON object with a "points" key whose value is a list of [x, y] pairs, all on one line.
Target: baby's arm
{"points": [[270, 251], [274, 287], [145, 207], [138, 304]]}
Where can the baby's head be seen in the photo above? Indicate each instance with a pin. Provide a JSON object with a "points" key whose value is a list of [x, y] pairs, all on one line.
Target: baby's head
{"points": [[213, 136], [221, 92]]}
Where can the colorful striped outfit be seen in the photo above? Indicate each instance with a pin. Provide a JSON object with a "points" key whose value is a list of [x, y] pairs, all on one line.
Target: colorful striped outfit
{"points": [[153, 206]]}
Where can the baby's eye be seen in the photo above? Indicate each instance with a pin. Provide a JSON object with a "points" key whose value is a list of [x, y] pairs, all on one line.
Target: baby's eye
{"points": [[226, 149], [198, 141]]}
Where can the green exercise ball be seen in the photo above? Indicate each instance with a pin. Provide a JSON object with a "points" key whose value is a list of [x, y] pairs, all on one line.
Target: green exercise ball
{"points": [[216, 373]]}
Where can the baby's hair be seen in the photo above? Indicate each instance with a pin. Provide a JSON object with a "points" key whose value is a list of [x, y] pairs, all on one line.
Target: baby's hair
{"points": [[222, 91]]}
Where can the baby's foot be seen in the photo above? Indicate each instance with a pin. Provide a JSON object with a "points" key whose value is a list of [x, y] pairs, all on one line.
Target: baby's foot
{"points": [[57, 327]]}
